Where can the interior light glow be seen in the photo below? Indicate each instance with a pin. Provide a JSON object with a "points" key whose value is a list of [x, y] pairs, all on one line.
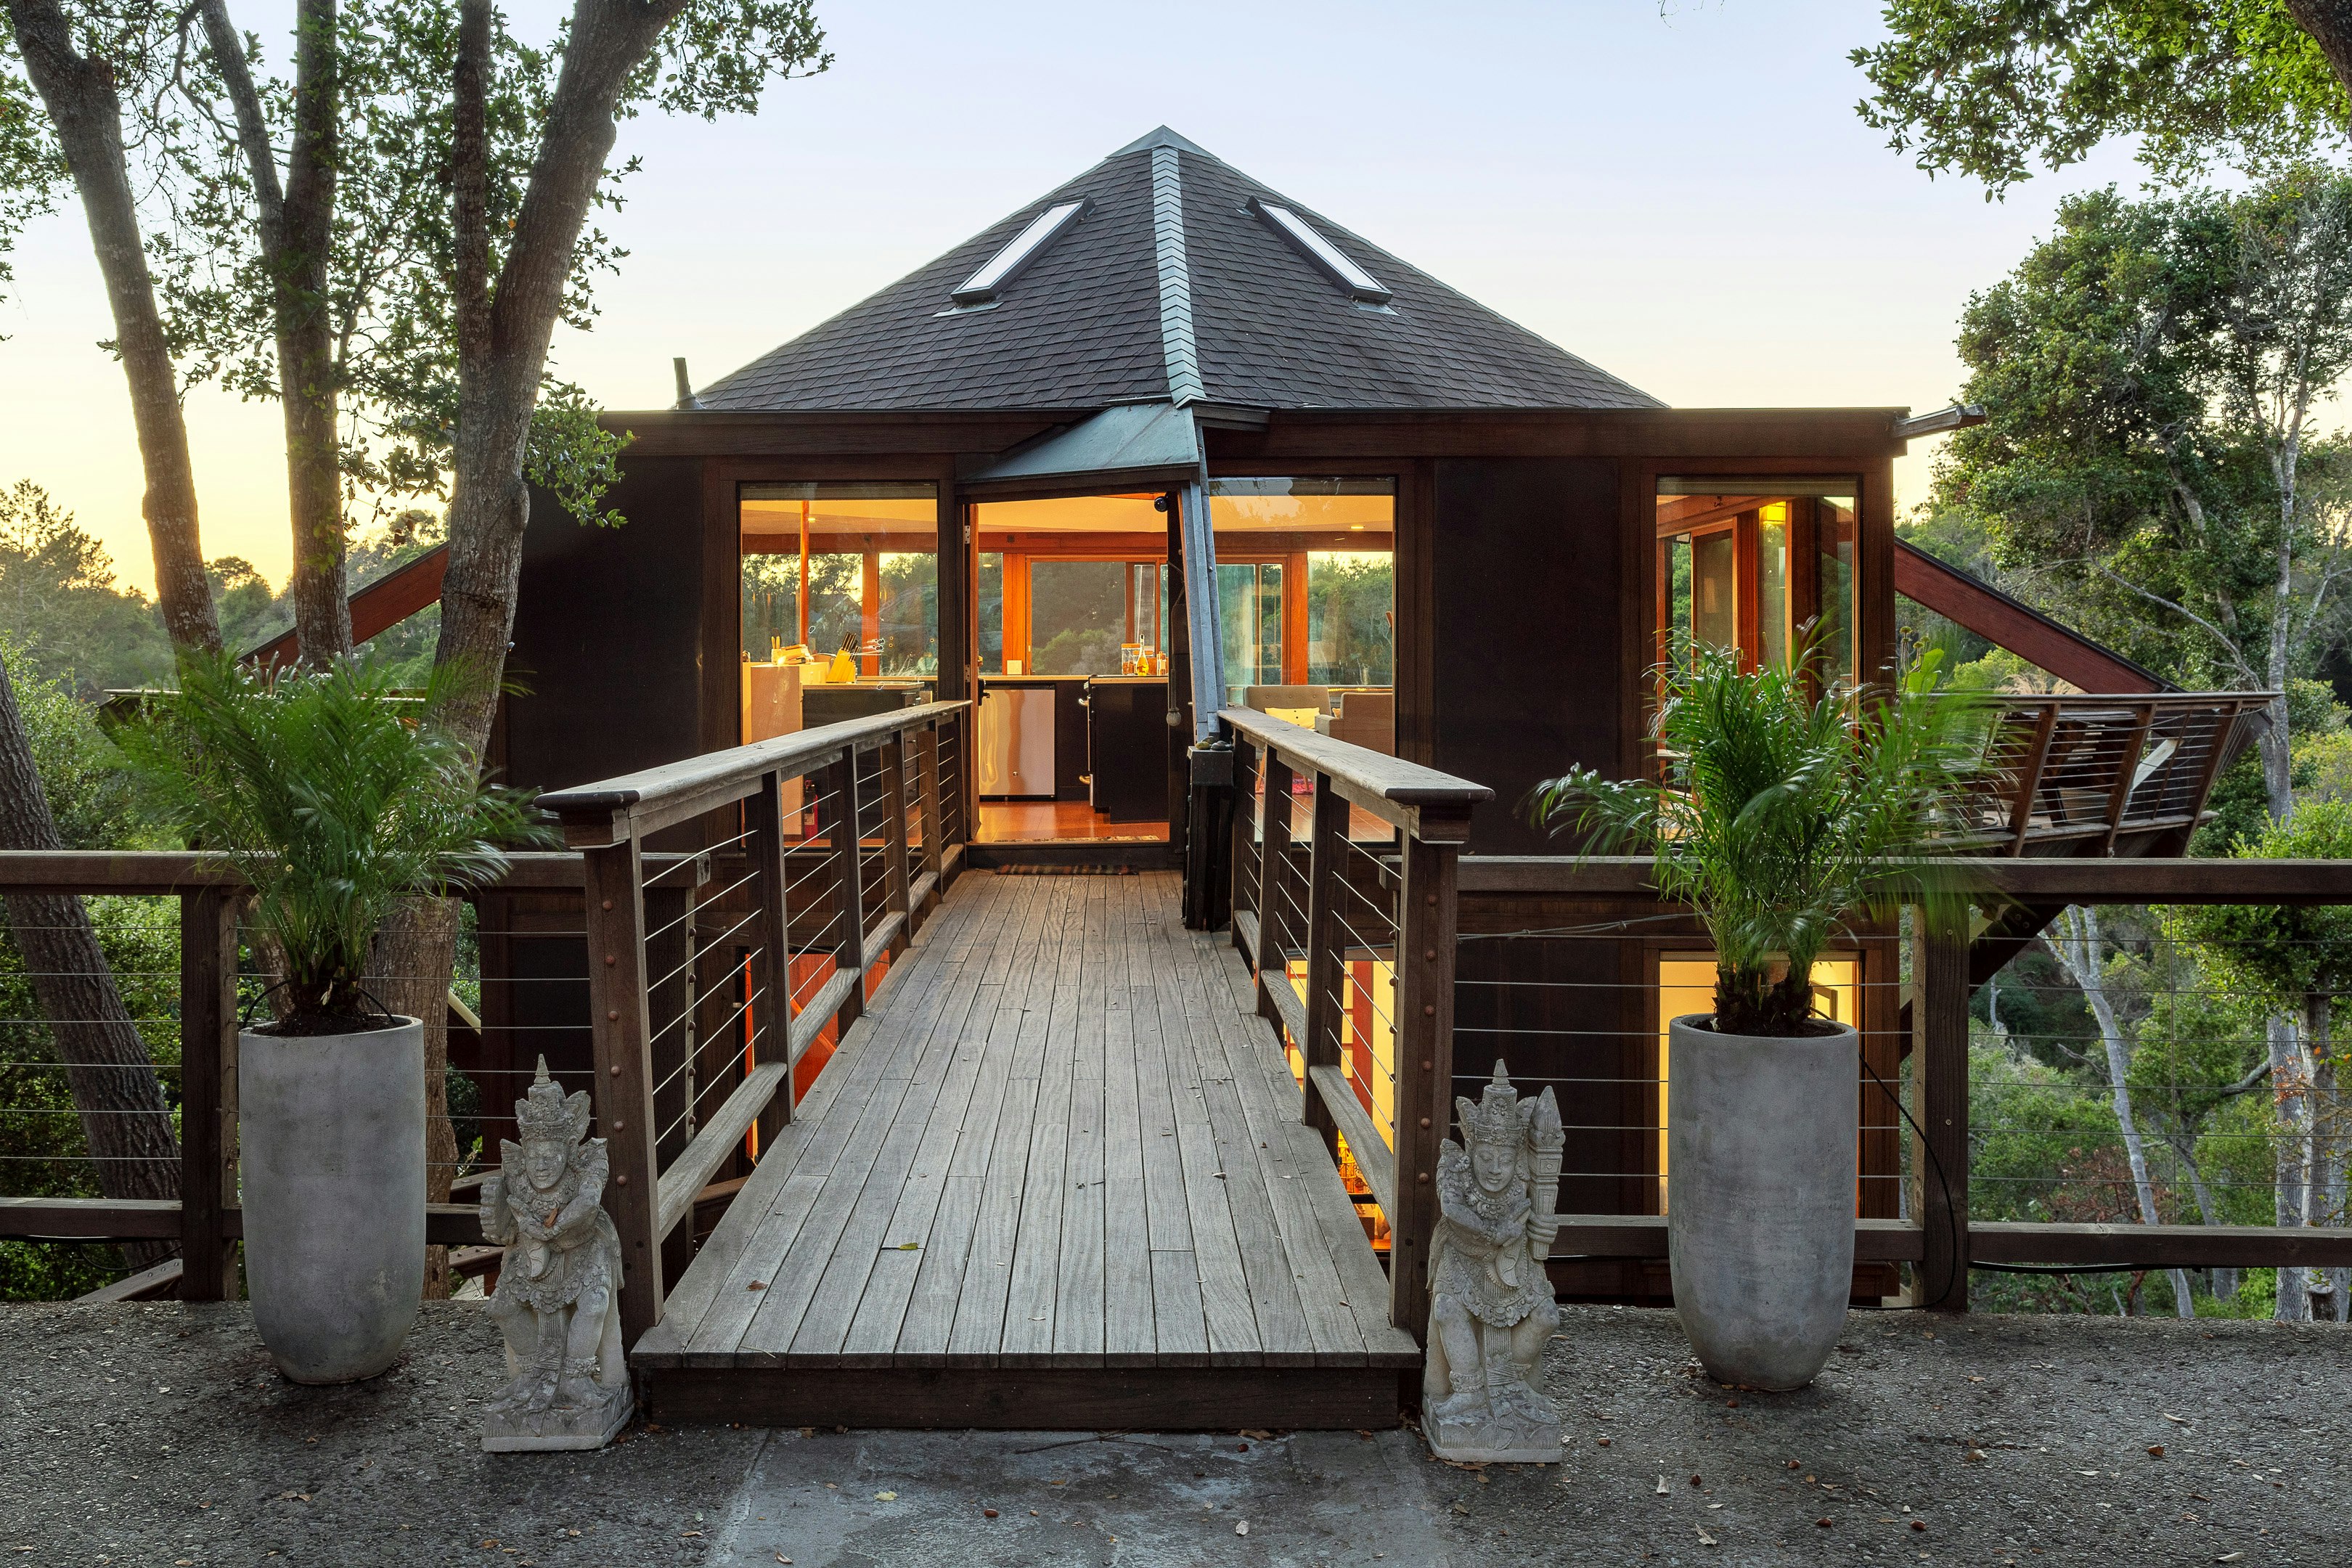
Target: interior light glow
{"points": [[982, 286], [1359, 284]]}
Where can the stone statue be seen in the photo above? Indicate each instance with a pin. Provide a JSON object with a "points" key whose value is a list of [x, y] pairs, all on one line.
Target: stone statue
{"points": [[558, 1300], [1491, 1308]]}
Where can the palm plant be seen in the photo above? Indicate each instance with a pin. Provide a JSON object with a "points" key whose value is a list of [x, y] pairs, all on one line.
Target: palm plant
{"points": [[1785, 807], [333, 798]]}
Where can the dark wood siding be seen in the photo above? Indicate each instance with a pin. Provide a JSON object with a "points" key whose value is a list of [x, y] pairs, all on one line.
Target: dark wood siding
{"points": [[1528, 659], [608, 633]]}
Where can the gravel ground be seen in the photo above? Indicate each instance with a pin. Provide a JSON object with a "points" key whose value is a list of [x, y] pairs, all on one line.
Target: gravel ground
{"points": [[160, 1435], [2011, 1439]]}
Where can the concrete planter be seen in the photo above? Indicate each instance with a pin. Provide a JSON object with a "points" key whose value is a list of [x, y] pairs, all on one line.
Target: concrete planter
{"points": [[1760, 1139], [333, 1166]]}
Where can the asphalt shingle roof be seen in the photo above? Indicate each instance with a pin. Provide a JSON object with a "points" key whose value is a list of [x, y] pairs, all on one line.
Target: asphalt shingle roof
{"points": [[1082, 326]]}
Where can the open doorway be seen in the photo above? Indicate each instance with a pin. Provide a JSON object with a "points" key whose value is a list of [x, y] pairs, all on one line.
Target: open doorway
{"points": [[1072, 625]]}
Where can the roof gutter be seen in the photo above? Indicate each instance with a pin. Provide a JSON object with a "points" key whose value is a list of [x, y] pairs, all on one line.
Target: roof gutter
{"points": [[1958, 416]]}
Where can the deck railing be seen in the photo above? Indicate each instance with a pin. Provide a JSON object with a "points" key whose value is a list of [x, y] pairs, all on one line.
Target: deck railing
{"points": [[1348, 925], [712, 974], [842, 847], [205, 1220], [2073, 773], [1605, 1002]]}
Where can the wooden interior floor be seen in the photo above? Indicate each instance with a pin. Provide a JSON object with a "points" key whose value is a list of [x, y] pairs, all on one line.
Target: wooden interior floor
{"points": [[1054, 1177], [1057, 821]]}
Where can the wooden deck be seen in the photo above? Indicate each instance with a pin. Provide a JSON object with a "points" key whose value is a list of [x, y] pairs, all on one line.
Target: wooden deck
{"points": [[1055, 1177]]}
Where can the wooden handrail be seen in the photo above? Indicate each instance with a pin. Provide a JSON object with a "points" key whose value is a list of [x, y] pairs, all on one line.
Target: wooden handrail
{"points": [[161, 872], [2052, 881], [608, 822], [1433, 812], [1431, 805], [633, 804], [618, 878]]}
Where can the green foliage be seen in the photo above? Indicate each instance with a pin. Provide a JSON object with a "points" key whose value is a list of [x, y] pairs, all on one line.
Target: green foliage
{"points": [[2032, 1127], [330, 798], [41, 1143], [1988, 91], [89, 798], [60, 602], [1780, 809], [2190, 1052], [393, 243], [32, 170], [1959, 539], [42, 1151], [2277, 955], [2147, 470]]}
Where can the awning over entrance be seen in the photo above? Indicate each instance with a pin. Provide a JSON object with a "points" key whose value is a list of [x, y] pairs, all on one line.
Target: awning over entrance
{"points": [[1136, 445], [1139, 446]]}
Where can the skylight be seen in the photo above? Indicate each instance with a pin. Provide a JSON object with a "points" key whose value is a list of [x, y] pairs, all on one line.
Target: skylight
{"points": [[1359, 284], [982, 286]]}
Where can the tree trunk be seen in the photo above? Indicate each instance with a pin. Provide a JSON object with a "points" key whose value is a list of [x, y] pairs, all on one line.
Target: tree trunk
{"points": [[2082, 949], [2329, 23], [2225, 1281], [504, 328], [2326, 1204], [297, 234], [415, 952], [81, 97], [124, 1120], [2290, 1193]]}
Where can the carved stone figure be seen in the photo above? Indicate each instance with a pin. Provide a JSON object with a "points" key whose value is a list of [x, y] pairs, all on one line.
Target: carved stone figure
{"points": [[558, 1297], [1491, 1308]]}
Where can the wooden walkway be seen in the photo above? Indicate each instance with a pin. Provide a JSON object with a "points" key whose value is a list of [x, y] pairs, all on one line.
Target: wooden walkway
{"points": [[1055, 1177]]}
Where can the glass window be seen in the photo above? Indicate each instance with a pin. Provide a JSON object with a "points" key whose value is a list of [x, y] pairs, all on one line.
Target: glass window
{"points": [[1306, 580], [991, 625], [829, 568], [1078, 616], [1759, 565], [1249, 615], [1073, 586]]}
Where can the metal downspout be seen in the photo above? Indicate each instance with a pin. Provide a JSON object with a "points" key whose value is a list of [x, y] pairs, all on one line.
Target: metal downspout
{"points": [[1201, 609]]}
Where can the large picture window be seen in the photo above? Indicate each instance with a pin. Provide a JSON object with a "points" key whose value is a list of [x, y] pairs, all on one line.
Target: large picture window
{"points": [[835, 567], [1306, 580], [1075, 586], [1756, 565]]}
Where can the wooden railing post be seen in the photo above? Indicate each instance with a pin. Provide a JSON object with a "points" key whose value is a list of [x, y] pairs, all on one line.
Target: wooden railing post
{"points": [[1244, 826], [1326, 847], [207, 1092], [623, 1092], [1424, 1069], [771, 966], [849, 907], [1939, 1017], [1273, 847], [896, 883]]}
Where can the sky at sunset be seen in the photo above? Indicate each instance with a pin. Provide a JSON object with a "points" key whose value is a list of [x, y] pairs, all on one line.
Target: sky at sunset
{"points": [[1685, 197]]}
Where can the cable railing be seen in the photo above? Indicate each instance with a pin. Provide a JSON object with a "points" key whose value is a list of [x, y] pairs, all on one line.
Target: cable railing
{"points": [[1343, 861], [693, 994], [807, 907], [1975, 1154], [2076, 772], [181, 1232]]}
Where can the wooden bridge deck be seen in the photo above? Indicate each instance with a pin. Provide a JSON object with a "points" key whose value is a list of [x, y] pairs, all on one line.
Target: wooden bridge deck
{"points": [[1055, 1177]]}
